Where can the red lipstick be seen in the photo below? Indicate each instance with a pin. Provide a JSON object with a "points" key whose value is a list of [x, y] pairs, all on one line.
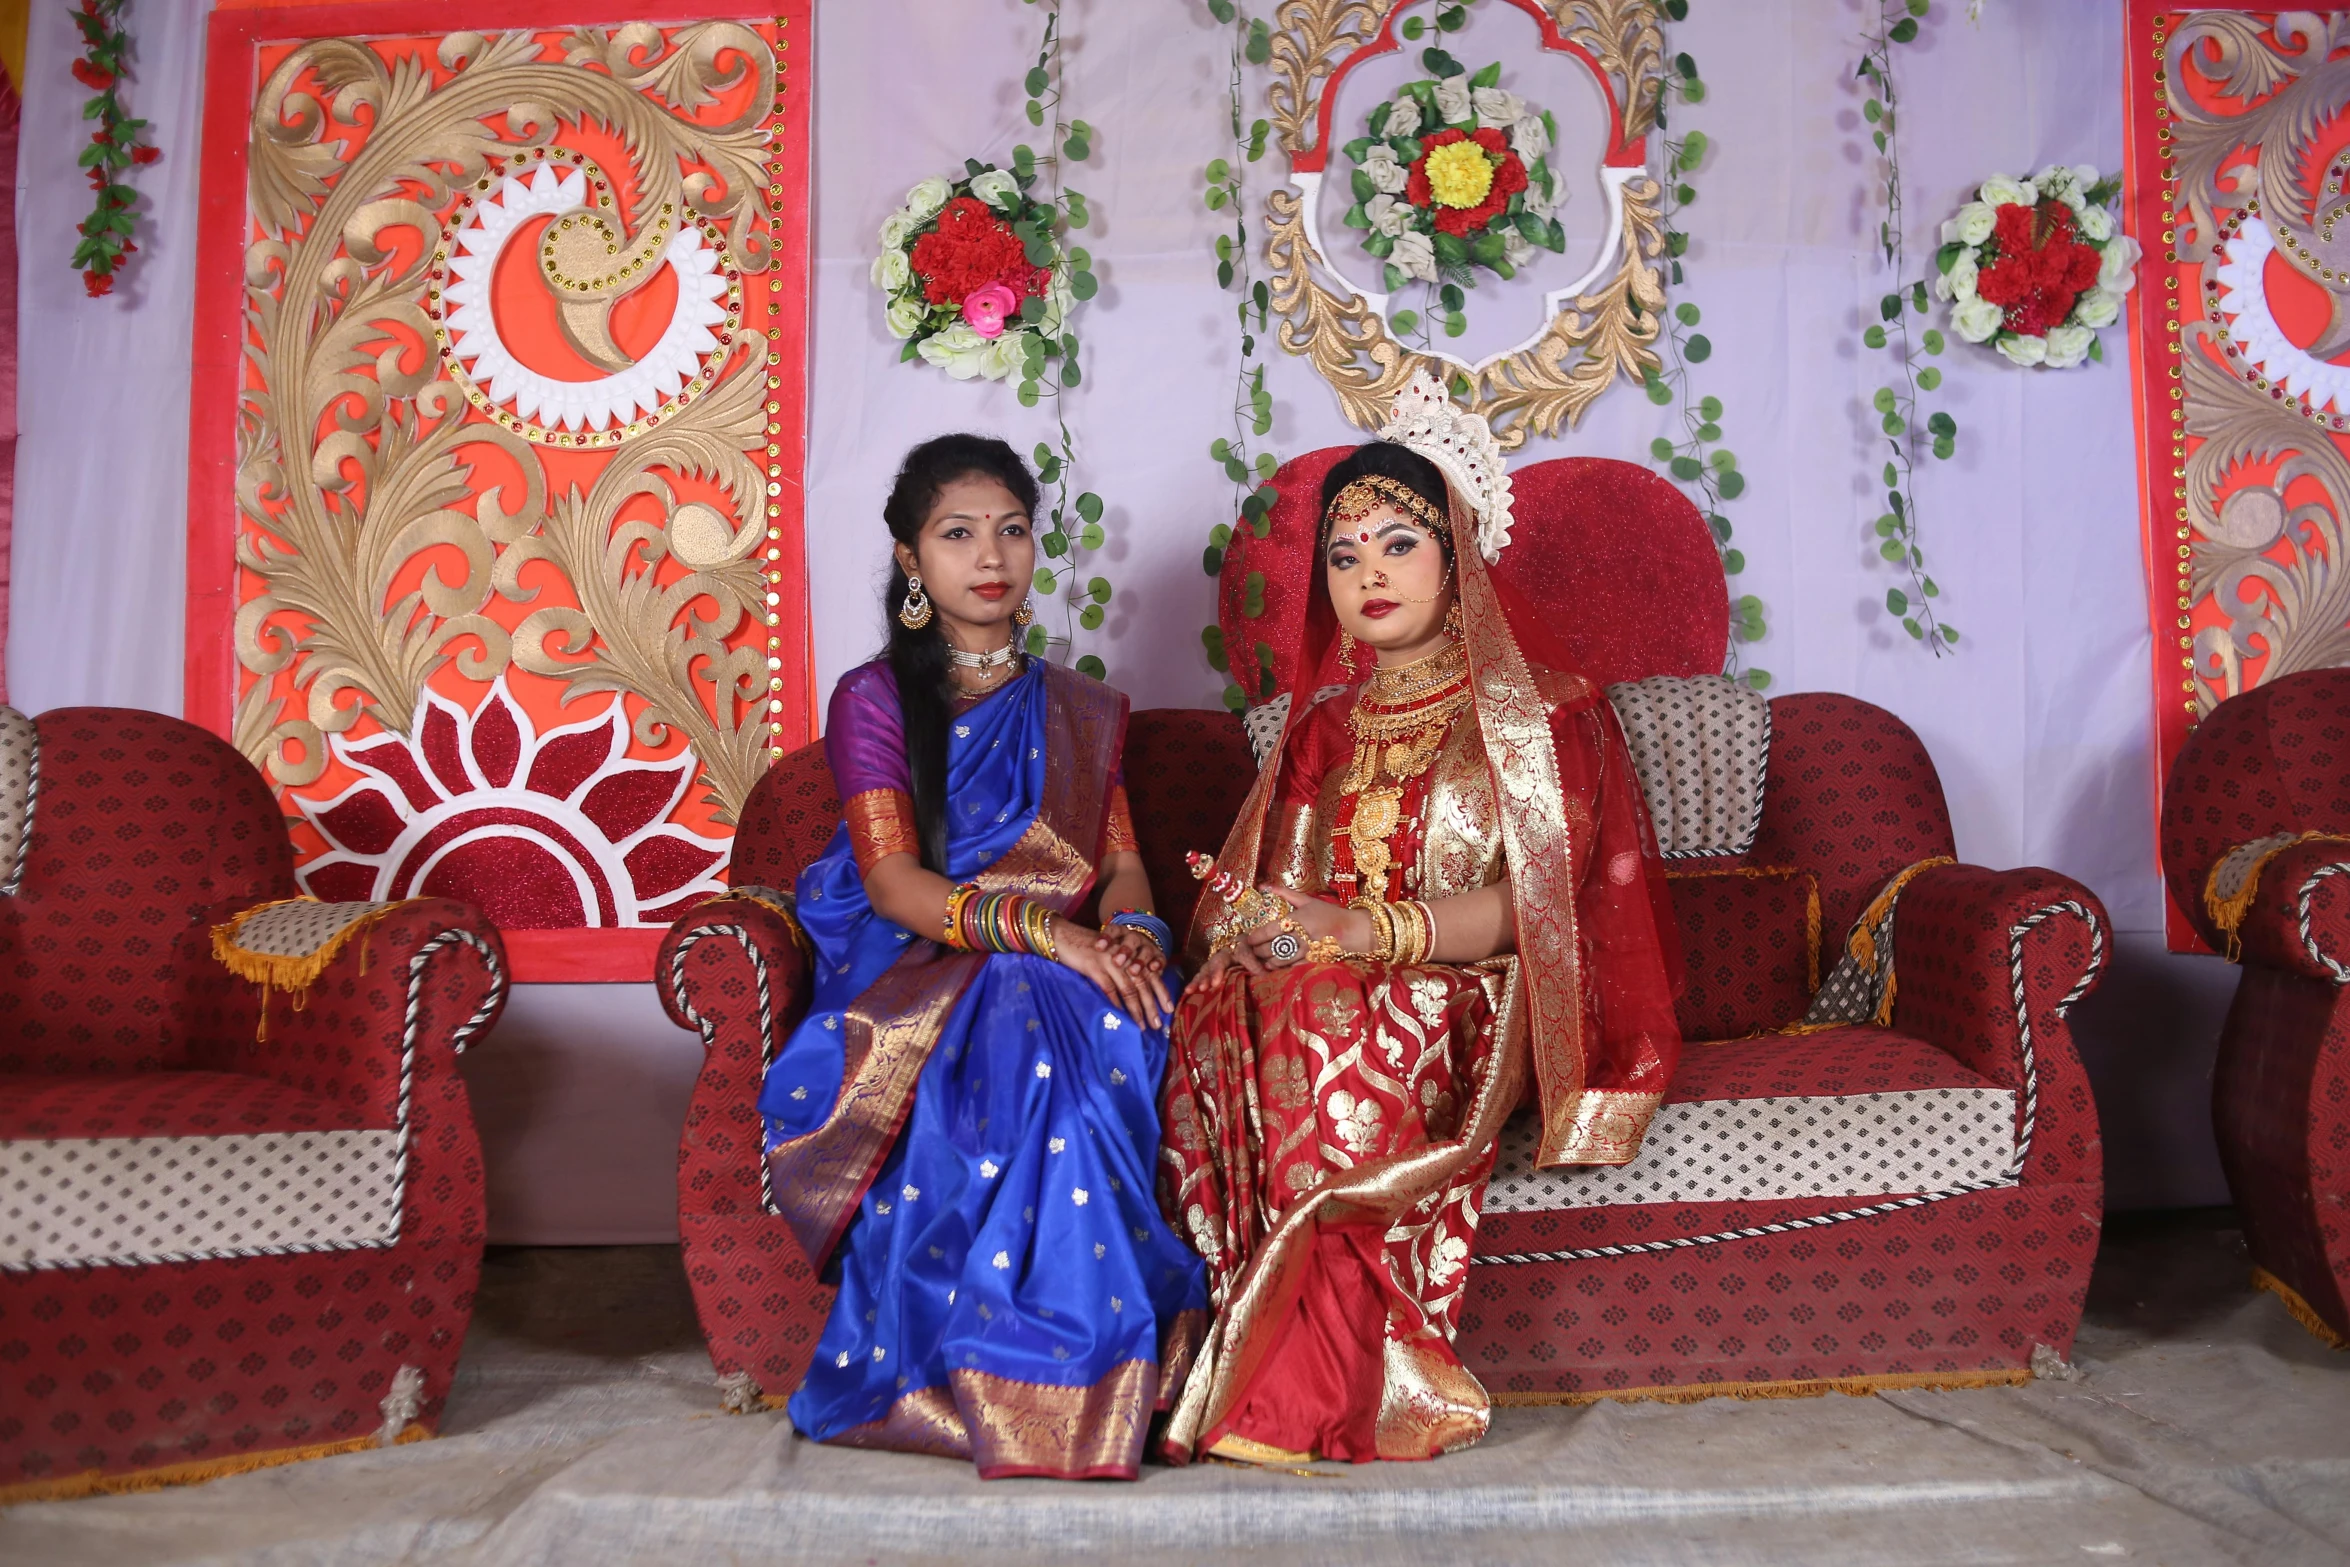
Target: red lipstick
{"points": [[1378, 609], [992, 591]]}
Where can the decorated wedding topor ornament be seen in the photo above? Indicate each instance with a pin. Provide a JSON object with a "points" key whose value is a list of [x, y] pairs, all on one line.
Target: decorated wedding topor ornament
{"points": [[1461, 444], [2035, 267]]}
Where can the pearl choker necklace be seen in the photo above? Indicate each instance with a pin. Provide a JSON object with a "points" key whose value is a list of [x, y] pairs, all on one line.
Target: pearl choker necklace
{"points": [[995, 660]]}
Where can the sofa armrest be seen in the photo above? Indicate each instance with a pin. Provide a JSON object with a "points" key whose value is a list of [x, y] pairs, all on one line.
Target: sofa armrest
{"points": [[1987, 966], [386, 1018], [2299, 920], [736, 971]]}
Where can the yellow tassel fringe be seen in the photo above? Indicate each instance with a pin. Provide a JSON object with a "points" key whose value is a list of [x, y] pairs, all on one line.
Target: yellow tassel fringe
{"points": [[291, 972], [2300, 1310], [2228, 912], [1856, 1387], [94, 1482]]}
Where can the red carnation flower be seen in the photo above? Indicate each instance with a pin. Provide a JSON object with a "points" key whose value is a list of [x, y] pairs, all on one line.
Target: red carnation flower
{"points": [[971, 248], [98, 283], [95, 77], [2039, 266], [145, 154]]}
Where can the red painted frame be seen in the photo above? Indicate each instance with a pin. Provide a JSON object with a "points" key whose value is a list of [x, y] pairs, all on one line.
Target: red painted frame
{"points": [[231, 78], [1621, 154]]}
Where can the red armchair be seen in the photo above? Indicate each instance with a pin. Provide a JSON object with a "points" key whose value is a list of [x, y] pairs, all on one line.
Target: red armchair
{"points": [[2256, 849], [221, 1246], [1853, 1206]]}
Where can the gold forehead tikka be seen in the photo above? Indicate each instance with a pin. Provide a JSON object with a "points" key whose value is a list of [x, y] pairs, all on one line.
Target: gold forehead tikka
{"points": [[1366, 495]]}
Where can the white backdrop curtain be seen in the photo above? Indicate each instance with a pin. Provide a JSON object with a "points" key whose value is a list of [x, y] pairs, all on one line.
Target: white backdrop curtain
{"points": [[2039, 723]]}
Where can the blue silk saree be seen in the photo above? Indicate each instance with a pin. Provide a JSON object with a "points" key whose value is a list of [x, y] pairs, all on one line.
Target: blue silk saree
{"points": [[966, 1141]]}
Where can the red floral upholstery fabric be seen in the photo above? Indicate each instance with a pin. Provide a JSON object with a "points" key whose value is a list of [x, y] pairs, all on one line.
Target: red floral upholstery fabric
{"points": [[1750, 946], [160, 1104], [1856, 1060], [135, 830], [2277, 760], [1852, 797], [1960, 1284], [793, 811], [1187, 772], [145, 831]]}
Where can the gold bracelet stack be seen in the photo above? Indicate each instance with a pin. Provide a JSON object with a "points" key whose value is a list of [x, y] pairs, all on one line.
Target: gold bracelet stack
{"points": [[1400, 932]]}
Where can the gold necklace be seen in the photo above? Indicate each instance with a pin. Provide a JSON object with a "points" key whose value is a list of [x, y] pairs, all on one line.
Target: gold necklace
{"points": [[1398, 730], [1422, 677]]}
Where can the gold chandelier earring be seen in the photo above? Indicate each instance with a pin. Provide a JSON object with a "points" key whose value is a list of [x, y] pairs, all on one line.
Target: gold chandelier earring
{"points": [[1452, 618], [1026, 613], [1346, 651], [914, 613]]}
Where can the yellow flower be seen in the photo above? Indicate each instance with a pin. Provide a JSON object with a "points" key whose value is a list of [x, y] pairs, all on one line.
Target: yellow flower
{"points": [[1459, 174]]}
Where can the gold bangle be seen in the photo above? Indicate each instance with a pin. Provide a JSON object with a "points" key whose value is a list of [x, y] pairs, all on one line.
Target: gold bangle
{"points": [[956, 899], [1383, 928]]}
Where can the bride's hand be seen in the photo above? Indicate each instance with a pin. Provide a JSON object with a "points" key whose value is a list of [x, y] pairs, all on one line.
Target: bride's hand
{"points": [[1128, 984], [1316, 918]]}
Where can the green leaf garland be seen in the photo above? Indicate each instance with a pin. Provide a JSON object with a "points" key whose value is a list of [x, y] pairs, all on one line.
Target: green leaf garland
{"points": [[118, 144]]}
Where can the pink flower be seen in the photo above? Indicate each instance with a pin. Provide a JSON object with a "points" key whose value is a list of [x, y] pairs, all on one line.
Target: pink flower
{"points": [[986, 306]]}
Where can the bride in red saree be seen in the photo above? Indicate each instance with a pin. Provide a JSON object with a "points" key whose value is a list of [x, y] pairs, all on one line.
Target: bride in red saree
{"points": [[1459, 907]]}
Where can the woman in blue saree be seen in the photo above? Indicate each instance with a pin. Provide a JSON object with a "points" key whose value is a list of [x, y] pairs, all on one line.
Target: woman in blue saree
{"points": [[962, 1131]]}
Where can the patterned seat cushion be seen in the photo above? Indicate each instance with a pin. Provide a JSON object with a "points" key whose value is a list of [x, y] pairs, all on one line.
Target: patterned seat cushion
{"points": [[1750, 939], [1850, 1112], [112, 1170]]}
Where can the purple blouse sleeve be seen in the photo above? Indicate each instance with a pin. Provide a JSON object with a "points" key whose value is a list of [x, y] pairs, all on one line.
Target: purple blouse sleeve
{"points": [[864, 735]]}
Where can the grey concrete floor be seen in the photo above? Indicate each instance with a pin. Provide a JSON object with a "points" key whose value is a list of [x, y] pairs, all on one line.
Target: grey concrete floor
{"points": [[2205, 1427]]}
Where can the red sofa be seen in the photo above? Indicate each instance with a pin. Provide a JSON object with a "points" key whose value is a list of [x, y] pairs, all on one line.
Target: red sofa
{"points": [[217, 1249], [2259, 801], [1857, 1206]]}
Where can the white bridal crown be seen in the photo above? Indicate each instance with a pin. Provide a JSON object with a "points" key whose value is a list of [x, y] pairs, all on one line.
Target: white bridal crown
{"points": [[1462, 446]]}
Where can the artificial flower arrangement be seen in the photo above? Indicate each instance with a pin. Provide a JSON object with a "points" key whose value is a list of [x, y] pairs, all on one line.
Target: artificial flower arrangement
{"points": [[2034, 267], [977, 280], [1454, 175]]}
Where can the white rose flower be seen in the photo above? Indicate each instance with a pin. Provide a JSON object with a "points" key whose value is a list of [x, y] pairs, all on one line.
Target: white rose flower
{"points": [[959, 351], [1388, 216], [2068, 346], [2022, 350], [894, 230], [1453, 103], [1977, 319], [2084, 175], [1414, 256], [1529, 137], [926, 198], [1386, 174], [1496, 109], [1971, 224], [891, 271], [2114, 267], [905, 317], [2098, 307], [1403, 116], [1002, 358], [1959, 282], [2055, 180], [2096, 224], [997, 188], [1515, 248], [1542, 200], [2000, 191]]}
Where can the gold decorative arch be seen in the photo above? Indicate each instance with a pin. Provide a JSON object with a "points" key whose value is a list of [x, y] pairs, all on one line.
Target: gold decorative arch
{"points": [[1602, 333]]}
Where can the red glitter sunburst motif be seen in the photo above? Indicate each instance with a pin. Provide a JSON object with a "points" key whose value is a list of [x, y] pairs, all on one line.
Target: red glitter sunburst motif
{"points": [[540, 831]]}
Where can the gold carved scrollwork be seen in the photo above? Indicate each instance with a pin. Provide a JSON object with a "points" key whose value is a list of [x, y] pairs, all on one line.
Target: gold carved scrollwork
{"points": [[356, 454], [2278, 572], [1601, 335]]}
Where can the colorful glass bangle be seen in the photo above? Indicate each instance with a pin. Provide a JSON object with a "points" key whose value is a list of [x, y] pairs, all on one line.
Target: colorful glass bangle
{"points": [[958, 904], [1150, 925]]}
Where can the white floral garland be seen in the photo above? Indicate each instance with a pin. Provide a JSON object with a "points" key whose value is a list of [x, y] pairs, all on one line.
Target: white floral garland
{"points": [[990, 334], [1971, 255]]}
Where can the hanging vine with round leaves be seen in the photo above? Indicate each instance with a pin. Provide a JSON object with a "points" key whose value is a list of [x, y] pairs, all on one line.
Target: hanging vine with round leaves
{"points": [[1900, 404], [1249, 677], [1050, 368], [1697, 459]]}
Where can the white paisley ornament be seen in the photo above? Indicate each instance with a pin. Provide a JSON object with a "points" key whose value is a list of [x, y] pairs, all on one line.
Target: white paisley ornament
{"points": [[2265, 349], [680, 364]]}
